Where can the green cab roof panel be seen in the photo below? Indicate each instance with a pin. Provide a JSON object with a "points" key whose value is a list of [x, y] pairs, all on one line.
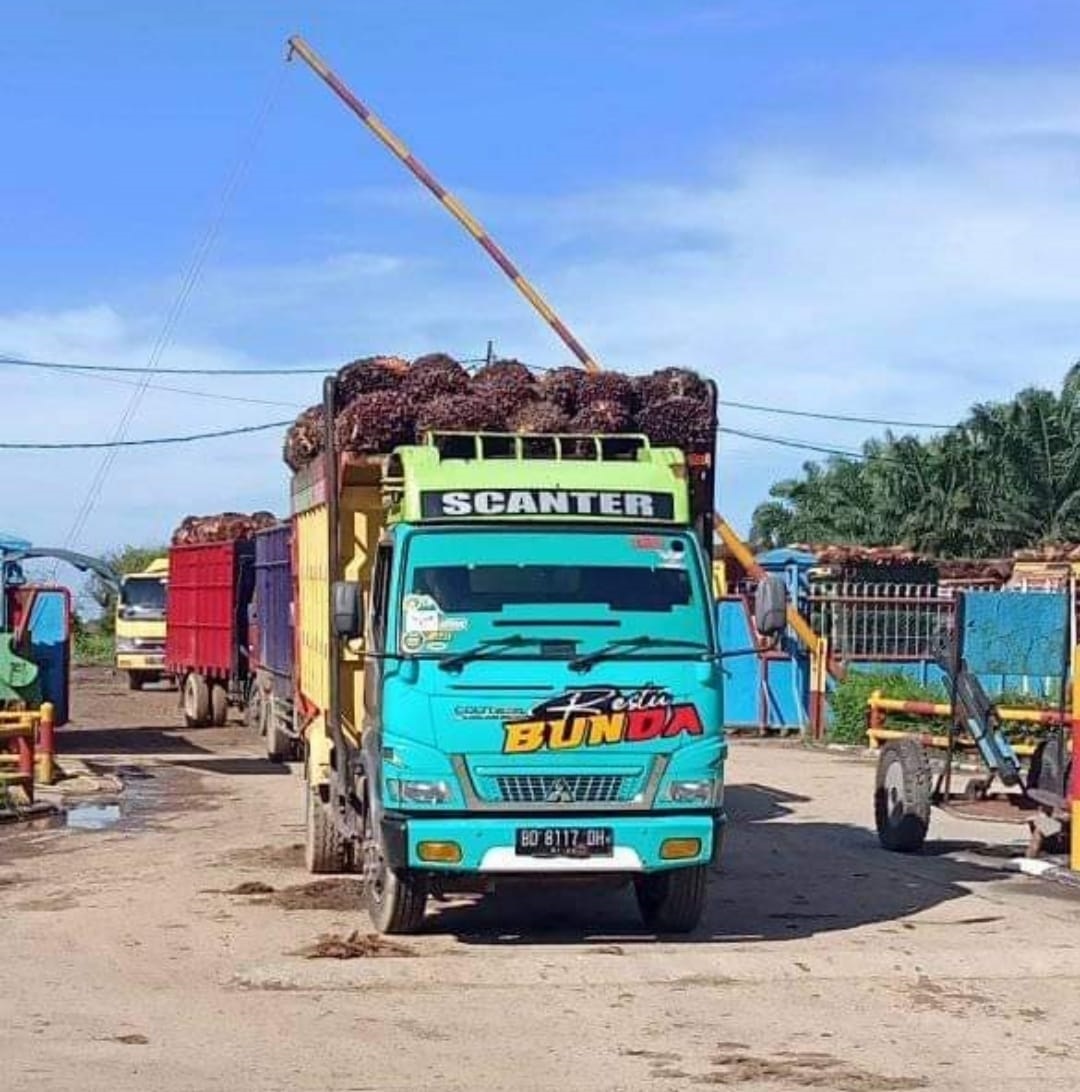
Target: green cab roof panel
{"points": [[498, 478]]}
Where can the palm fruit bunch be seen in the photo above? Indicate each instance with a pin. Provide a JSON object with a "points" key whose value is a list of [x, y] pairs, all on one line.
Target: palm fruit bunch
{"points": [[459, 413], [671, 383], [375, 423], [562, 388], [383, 402], [305, 438], [507, 384], [677, 422], [224, 527], [370, 373], [434, 376]]}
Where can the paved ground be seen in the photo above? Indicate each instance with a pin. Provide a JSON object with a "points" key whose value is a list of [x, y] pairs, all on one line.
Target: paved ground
{"points": [[823, 963]]}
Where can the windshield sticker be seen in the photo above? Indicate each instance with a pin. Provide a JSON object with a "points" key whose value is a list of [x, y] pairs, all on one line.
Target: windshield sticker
{"points": [[425, 626], [600, 716]]}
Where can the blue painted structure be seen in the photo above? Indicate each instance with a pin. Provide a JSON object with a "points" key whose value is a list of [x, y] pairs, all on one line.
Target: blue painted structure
{"points": [[272, 607]]}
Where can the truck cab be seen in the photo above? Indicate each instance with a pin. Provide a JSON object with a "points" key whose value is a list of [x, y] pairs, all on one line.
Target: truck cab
{"points": [[140, 624], [522, 677]]}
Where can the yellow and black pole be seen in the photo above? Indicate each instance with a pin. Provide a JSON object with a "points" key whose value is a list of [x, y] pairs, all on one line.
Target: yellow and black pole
{"points": [[390, 140]]}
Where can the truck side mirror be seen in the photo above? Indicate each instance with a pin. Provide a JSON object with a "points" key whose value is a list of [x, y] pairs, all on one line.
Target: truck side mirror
{"points": [[770, 606], [348, 602]]}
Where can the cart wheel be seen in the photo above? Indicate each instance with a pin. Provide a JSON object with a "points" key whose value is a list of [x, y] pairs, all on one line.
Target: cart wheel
{"points": [[196, 700], [219, 705], [902, 796]]}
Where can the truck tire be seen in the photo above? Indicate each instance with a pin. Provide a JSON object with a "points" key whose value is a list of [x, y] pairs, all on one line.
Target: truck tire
{"points": [[135, 681], [903, 792], [674, 900], [395, 898], [253, 709], [324, 848], [196, 700], [219, 705], [279, 744]]}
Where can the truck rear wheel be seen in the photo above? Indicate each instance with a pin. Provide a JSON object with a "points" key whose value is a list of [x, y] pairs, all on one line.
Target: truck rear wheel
{"points": [[196, 700], [395, 898], [674, 900], [902, 796], [279, 744], [219, 705], [324, 847]]}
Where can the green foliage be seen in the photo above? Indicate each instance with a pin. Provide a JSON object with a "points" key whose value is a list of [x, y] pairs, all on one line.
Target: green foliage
{"points": [[848, 703], [126, 559], [1006, 477], [92, 648]]}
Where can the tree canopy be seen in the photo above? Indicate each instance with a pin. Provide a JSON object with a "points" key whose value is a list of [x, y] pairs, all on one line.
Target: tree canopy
{"points": [[1006, 477]]}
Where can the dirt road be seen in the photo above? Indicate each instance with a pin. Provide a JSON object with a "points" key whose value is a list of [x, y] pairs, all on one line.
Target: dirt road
{"points": [[823, 963]]}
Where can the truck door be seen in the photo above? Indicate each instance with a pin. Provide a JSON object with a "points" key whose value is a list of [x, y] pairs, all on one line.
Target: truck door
{"points": [[378, 620]]}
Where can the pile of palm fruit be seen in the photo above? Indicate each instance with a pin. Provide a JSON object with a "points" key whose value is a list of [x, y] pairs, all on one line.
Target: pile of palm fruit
{"points": [[385, 401], [223, 527]]}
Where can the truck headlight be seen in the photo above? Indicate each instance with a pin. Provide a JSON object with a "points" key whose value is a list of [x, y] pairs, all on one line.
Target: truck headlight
{"points": [[698, 791], [126, 646], [419, 792]]}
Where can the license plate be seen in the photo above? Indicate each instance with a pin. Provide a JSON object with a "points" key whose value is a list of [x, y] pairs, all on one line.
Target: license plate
{"points": [[564, 842]]}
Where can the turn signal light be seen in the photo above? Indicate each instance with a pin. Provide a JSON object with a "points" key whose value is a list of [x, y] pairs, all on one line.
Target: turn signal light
{"points": [[679, 849], [439, 852]]}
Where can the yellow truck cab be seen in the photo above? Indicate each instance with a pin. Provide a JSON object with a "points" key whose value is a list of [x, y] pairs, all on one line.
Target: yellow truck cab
{"points": [[140, 624]]}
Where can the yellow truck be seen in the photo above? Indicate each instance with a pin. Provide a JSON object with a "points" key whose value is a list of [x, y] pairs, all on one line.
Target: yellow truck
{"points": [[140, 624]]}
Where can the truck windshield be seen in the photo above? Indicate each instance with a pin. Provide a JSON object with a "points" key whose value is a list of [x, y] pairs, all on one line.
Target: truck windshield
{"points": [[142, 597], [581, 589]]}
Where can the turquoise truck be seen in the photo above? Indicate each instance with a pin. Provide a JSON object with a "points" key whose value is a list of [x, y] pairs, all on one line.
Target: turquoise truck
{"points": [[508, 668]]}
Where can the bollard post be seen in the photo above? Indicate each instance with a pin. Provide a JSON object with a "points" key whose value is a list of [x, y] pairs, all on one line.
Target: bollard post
{"points": [[46, 745], [24, 747], [1074, 779], [874, 719]]}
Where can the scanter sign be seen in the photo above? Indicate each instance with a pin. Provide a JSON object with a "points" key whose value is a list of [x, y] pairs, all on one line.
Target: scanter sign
{"points": [[593, 503], [599, 717]]}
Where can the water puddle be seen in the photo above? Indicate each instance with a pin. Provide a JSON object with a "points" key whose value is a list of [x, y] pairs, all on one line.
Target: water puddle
{"points": [[90, 816]]}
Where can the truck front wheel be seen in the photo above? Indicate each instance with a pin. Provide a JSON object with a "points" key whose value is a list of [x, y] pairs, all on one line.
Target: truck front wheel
{"points": [[135, 680], [396, 898], [196, 700], [672, 901]]}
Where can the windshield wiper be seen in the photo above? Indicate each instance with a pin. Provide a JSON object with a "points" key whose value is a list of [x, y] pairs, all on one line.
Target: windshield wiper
{"points": [[497, 644], [583, 663]]}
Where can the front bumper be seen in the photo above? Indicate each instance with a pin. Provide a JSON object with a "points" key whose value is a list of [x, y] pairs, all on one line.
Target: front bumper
{"points": [[487, 842], [140, 661]]}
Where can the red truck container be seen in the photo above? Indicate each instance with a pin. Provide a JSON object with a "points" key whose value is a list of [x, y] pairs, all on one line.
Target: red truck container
{"points": [[206, 615]]}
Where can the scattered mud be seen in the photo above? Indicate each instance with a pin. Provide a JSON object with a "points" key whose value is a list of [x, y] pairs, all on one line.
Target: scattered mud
{"points": [[354, 946], [275, 856], [64, 901], [250, 887], [130, 1040], [791, 1069], [337, 893]]}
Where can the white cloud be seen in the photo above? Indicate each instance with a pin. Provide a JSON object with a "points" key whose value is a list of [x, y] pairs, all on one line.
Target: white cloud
{"points": [[905, 285]]}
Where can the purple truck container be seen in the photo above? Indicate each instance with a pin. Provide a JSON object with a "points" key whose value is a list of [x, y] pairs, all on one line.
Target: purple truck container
{"points": [[272, 608]]}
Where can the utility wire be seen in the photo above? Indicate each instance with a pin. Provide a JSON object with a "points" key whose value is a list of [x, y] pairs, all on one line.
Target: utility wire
{"points": [[190, 279], [831, 416], [801, 445], [153, 441]]}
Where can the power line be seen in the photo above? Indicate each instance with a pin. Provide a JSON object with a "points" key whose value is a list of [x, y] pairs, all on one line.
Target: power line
{"points": [[152, 441], [172, 319], [782, 411], [801, 445]]}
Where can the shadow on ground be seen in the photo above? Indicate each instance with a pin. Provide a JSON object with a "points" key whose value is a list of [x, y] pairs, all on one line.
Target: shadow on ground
{"points": [[780, 880], [127, 741]]}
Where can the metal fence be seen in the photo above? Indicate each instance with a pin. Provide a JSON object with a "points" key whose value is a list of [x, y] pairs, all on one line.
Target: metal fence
{"points": [[881, 621]]}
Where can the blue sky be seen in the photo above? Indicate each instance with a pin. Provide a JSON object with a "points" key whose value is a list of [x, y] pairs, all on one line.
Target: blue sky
{"points": [[866, 207]]}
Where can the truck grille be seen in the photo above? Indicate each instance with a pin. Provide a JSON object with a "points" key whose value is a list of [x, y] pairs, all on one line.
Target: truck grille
{"points": [[561, 788]]}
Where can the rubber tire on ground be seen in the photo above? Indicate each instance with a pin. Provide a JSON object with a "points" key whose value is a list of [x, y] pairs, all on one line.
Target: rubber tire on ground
{"points": [[397, 898], [135, 681], [219, 705], [903, 791], [279, 744], [196, 695], [324, 848], [672, 901], [253, 709]]}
